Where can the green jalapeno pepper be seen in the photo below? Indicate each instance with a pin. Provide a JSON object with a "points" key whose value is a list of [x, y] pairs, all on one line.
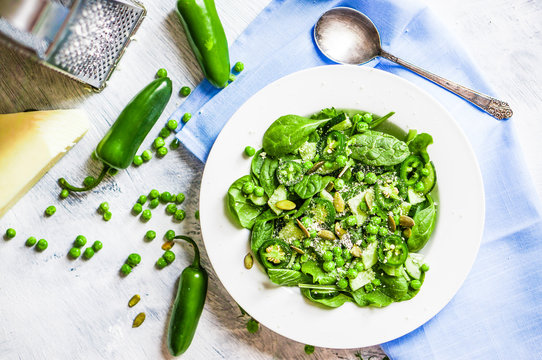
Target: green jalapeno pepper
{"points": [[289, 173], [393, 251], [332, 145], [410, 169], [386, 201], [207, 39], [188, 304], [274, 254], [119, 146]]}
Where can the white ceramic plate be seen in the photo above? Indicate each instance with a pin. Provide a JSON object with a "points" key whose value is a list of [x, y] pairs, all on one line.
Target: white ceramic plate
{"points": [[450, 252]]}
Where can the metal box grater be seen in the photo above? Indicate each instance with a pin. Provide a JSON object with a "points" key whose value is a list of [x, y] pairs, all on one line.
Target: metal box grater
{"points": [[83, 39]]}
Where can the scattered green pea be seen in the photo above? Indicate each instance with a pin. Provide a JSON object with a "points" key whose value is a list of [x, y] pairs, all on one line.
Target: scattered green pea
{"points": [[368, 118], [31, 241], [425, 172], [146, 155], [419, 186], [196, 214], [370, 178], [172, 124], [329, 266], [185, 91], [161, 73], [375, 282], [296, 266], [138, 160], [146, 215], [250, 151], [253, 326], [352, 273], [186, 117], [64, 193], [180, 215], [342, 283], [165, 197], [158, 142], [142, 199], [339, 261], [169, 256], [341, 160], [133, 259], [74, 252], [369, 287], [88, 253], [359, 266], [150, 235], [125, 269], [232, 78], [175, 143], [42, 245], [180, 198], [154, 203], [80, 241], [164, 133], [170, 234], [258, 191], [309, 349], [137, 209], [161, 263], [424, 267], [10, 233], [351, 220], [89, 181], [153, 194], [162, 151], [97, 246], [103, 207], [238, 67], [339, 184], [107, 215], [362, 127], [415, 284], [248, 188], [171, 208]]}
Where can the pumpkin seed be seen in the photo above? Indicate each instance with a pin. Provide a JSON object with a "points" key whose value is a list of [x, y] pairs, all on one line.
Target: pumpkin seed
{"points": [[167, 245], [338, 202], [297, 250], [303, 228], [339, 231], [285, 205], [369, 199], [315, 167], [407, 233], [326, 235], [406, 221], [391, 223], [138, 320], [355, 251], [134, 300], [249, 261]]}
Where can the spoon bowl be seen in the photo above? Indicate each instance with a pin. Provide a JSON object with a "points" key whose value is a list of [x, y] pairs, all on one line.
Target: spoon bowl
{"points": [[346, 36]]}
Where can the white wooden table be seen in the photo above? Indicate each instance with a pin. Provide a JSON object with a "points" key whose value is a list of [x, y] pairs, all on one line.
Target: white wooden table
{"points": [[52, 307]]}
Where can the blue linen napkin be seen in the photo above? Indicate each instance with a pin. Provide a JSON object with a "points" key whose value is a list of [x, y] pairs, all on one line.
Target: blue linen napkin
{"points": [[497, 314]]}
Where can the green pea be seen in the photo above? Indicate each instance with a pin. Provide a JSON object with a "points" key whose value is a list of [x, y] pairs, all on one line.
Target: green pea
{"points": [[356, 118], [80, 241], [161, 73], [180, 198], [180, 215], [137, 209], [342, 283], [161, 263], [146, 155], [232, 78], [328, 165], [424, 267], [346, 254], [42, 245], [371, 238], [375, 282], [306, 221], [146, 215], [103, 207], [185, 91], [158, 142], [313, 234], [352, 273], [383, 231], [162, 151], [307, 165], [360, 176], [376, 220], [133, 259], [154, 194], [370, 178], [309, 349], [369, 287], [425, 172], [88, 253], [186, 117], [142, 199], [252, 326], [359, 266], [138, 160], [175, 144], [64, 193], [165, 197], [196, 214], [415, 284], [238, 67], [171, 209], [74, 252], [172, 124], [307, 243], [248, 188], [316, 158], [304, 258], [169, 256], [340, 160], [154, 203], [371, 229], [249, 151], [97, 246], [327, 256], [419, 186], [329, 266], [258, 191], [170, 234], [368, 118], [10, 233], [351, 220], [31, 241], [150, 235], [107, 215], [164, 132], [362, 127], [89, 181], [337, 251], [339, 184], [296, 266], [339, 261], [125, 269]]}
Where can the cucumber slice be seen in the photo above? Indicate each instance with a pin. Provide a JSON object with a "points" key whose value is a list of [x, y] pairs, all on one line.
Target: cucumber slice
{"points": [[363, 278], [343, 125], [392, 270], [353, 204], [291, 232], [258, 200], [369, 257], [279, 194], [323, 211], [430, 180], [412, 265], [415, 197], [307, 151], [326, 195]]}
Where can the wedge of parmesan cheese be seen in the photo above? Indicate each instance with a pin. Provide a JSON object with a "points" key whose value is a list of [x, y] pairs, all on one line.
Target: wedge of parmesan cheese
{"points": [[30, 144]]}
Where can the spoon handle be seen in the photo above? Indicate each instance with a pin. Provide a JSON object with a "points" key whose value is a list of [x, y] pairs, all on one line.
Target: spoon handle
{"points": [[496, 108]]}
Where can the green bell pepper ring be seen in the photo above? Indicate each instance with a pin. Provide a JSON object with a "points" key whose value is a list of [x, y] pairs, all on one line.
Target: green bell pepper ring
{"points": [[188, 304], [207, 39], [119, 146]]}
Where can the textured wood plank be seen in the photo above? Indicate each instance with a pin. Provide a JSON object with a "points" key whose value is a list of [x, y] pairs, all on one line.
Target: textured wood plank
{"points": [[55, 308]]}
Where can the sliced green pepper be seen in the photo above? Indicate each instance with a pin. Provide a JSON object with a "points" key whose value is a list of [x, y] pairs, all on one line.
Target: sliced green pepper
{"points": [[119, 146], [289, 173], [410, 169], [386, 201], [393, 251], [274, 254], [332, 145], [207, 39]]}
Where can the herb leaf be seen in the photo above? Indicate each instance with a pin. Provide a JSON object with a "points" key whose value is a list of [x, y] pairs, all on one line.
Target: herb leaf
{"points": [[241, 208], [378, 149]]}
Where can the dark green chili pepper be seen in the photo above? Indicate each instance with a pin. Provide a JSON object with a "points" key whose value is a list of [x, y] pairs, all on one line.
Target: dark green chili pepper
{"points": [[188, 304], [119, 146], [207, 39], [332, 145]]}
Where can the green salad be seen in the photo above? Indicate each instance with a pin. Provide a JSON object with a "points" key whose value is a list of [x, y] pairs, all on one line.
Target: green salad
{"points": [[339, 208]]}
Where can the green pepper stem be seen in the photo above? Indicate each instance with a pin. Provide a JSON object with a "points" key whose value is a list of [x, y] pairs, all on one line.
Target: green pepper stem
{"points": [[65, 185], [195, 263]]}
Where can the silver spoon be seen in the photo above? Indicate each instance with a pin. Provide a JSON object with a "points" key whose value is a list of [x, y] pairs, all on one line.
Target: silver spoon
{"points": [[347, 36]]}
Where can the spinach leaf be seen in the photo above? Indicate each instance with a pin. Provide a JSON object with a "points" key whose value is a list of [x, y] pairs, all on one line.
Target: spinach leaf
{"points": [[288, 133], [303, 208], [242, 209], [372, 298], [418, 145], [256, 164], [395, 287], [318, 275], [268, 179], [378, 149], [311, 185], [327, 113], [425, 219], [287, 277], [333, 302], [261, 232]]}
